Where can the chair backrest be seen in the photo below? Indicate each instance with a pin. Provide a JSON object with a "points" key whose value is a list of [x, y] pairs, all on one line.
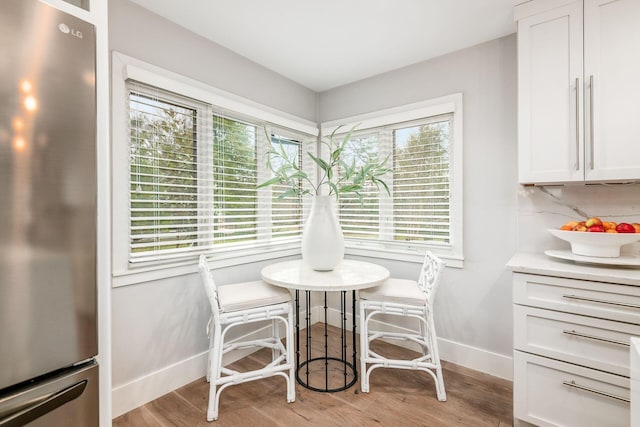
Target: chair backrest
{"points": [[209, 285], [430, 276]]}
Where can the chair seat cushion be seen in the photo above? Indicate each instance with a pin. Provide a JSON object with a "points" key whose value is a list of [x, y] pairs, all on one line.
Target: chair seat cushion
{"points": [[401, 291], [247, 295]]}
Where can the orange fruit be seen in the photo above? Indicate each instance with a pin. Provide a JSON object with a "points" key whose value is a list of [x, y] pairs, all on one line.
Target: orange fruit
{"points": [[569, 225], [636, 226], [610, 230]]}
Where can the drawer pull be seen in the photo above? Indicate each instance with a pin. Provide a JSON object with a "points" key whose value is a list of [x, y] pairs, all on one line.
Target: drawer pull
{"points": [[601, 301], [594, 391], [593, 337], [577, 123]]}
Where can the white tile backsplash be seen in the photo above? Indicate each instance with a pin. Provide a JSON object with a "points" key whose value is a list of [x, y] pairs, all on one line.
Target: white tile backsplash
{"points": [[540, 208]]}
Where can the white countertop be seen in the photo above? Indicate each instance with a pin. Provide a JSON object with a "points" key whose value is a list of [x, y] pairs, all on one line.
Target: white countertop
{"points": [[348, 275], [539, 263]]}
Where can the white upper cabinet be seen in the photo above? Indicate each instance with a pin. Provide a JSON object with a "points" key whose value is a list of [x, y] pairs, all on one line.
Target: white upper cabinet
{"points": [[578, 91]]}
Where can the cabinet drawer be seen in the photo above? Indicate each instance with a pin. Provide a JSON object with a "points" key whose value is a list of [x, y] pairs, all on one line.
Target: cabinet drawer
{"points": [[597, 299], [552, 393], [587, 341]]}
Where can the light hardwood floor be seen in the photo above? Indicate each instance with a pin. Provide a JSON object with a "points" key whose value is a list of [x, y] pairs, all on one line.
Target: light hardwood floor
{"points": [[397, 398]]}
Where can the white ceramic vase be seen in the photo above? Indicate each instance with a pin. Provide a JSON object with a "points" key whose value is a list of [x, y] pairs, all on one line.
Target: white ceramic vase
{"points": [[322, 238]]}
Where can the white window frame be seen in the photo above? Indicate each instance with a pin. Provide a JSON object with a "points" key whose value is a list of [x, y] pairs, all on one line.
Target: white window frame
{"points": [[125, 68], [414, 252]]}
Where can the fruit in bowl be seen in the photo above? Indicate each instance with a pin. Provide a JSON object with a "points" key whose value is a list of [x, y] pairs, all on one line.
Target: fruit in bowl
{"points": [[624, 227], [597, 238], [596, 225]]}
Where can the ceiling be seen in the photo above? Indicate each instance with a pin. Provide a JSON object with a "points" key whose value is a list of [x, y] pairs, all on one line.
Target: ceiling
{"points": [[329, 43]]}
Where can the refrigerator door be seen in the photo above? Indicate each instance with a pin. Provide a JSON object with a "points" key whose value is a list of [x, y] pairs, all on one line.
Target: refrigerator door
{"points": [[69, 398], [47, 191]]}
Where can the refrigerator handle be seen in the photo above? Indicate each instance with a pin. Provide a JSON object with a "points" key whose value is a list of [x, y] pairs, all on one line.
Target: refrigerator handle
{"points": [[43, 405]]}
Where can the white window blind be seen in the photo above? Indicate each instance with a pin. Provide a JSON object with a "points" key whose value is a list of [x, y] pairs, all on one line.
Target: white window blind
{"points": [[360, 213], [235, 178], [193, 178], [421, 176], [418, 210], [164, 204]]}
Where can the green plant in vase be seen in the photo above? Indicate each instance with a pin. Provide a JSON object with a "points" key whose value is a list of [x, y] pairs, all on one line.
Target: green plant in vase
{"points": [[322, 238], [338, 177]]}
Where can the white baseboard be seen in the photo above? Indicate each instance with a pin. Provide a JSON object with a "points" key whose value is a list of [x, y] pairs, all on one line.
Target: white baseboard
{"points": [[155, 384], [151, 386], [475, 358]]}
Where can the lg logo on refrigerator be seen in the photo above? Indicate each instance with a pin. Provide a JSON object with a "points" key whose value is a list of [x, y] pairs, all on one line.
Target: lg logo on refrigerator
{"points": [[65, 29]]}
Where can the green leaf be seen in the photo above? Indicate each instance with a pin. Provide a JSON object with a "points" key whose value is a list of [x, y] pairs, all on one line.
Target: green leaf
{"points": [[324, 165], [266, 132], [350, 188], [290, 192], [272, 181], [298, 175], [336, 154], [384, 184], [333, 187], [359, 178]]}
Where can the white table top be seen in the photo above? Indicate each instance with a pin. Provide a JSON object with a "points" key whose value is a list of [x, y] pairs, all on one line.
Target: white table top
{"points": [[348, 275]]}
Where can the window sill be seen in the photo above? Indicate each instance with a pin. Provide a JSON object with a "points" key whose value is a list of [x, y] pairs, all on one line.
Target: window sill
{"points": [[150, 272], [406, 255]]}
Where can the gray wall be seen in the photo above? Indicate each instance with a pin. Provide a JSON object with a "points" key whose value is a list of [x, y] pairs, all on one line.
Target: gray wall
{"points": [[156, 324], [141, 34], [473, 306]]}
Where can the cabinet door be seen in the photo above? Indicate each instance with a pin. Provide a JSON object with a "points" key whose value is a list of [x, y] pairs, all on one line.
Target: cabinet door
{"points": [[550, 70], [612, 69], [548, 392], [587, 341]]}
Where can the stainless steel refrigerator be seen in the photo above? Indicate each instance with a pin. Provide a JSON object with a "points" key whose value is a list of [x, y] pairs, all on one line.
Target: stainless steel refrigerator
{"points": [[48, 333]]}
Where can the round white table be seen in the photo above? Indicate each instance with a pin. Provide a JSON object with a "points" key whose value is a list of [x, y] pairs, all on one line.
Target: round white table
{"points": [[349, 275]]}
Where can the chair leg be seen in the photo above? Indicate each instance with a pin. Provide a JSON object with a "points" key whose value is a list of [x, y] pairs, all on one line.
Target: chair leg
{"points": [[215, 369], [435, 358], [275, 333], [212, 408], [291, 383], [211, 336], [364, 349]]}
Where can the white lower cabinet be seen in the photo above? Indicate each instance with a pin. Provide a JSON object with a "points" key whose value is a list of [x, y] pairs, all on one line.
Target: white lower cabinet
{"points": [[553, 393], [571, 350]]}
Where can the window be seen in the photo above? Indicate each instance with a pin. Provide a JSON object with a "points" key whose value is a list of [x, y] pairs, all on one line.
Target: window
{"points": [[421, 191], [193, 178], [423, 148], [163, 175], [360, 218]]}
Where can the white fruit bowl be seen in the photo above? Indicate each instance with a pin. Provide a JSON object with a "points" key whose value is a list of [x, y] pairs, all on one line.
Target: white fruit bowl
{"points": [[604, 245]]}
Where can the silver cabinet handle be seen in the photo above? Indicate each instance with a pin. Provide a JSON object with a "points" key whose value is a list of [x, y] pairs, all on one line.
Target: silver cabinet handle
{"points": [[591, 114], [577, 123], [593, 337], [601, 301], [594, 391]]}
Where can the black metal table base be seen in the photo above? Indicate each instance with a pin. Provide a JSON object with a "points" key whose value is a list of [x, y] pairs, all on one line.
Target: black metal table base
{"points": [[348, 368]]}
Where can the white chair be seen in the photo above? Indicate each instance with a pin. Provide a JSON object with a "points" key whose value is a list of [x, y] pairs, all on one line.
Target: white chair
{"points": [[406, 299], [240, 304]]}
